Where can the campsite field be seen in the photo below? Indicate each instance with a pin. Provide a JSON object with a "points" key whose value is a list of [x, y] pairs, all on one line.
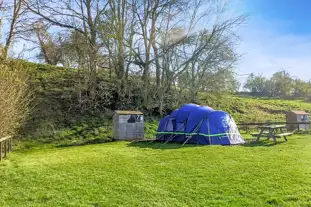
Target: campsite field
{"points": [[140, 174]]}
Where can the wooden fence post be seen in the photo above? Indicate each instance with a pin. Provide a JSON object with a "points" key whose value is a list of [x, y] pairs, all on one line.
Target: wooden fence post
{"points": [[6, 145], [298, 126], [11, 140], [4, 148], [0, 150], [9, 145]]}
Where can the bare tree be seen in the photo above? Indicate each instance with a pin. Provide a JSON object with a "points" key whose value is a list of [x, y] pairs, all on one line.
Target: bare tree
{"points": [[162, 42], [1, 22], [177, 51], [16, 10], [83, 17], [50, 47], [211, 70], [118, 20], [15, 97], [165, 41], [147, 21]]}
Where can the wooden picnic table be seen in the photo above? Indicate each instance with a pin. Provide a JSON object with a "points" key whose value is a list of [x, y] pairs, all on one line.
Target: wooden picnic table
{"points": [[272, 131]]}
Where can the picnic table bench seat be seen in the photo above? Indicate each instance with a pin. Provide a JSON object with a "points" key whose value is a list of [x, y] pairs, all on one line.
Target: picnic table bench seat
{"points": [[258, 134], [283, 134]]}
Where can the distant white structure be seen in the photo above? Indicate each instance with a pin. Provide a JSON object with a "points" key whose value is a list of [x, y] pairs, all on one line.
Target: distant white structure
{"points": [[128, 125]]}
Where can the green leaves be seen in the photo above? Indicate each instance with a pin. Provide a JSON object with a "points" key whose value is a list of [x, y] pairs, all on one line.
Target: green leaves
{"points": [[255, 83]]}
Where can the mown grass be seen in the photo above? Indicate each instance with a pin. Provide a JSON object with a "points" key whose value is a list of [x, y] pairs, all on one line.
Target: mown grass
{"points": [[142, 174]]}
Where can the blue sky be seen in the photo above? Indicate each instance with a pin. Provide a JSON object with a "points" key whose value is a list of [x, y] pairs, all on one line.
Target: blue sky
{"points": [[277, 35], [295, 14]]}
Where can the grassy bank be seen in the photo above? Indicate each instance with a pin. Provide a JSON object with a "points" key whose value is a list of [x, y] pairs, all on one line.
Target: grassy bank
{"points": [[97, 128], [255, 109]]}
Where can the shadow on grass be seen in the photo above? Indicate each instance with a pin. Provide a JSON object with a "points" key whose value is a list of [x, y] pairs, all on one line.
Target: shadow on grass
{"points": [[169, 146], [26, 145], [160, 145], [264, 143], [86, 142]]}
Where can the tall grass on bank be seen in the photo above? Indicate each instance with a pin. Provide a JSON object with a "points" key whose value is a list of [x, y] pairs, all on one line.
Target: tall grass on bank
{"points": [[15, 97]]}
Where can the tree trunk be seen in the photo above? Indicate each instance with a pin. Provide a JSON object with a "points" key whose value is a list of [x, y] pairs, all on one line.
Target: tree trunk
{"points": [[16, 13], [193, 89], [161, 102]]}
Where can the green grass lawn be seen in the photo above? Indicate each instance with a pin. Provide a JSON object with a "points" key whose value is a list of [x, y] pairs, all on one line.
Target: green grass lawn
{"points": [[141, 174]]}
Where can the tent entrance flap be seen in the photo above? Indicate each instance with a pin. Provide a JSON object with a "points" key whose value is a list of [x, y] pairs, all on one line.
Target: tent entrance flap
{"points": [[174, 134]]}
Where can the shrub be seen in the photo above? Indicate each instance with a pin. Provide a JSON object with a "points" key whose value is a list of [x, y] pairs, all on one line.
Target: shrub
{"points": [[15, 98]]}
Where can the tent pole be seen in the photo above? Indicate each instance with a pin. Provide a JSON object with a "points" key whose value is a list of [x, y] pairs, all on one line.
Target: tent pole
{"points": [[209, 132], [161, 135], [194, 131], [200, 135], [228, 134], [173, 135]]}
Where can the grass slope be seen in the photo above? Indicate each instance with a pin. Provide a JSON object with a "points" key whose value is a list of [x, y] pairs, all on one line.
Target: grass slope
{"points": [[141, 174], [260, 109], [91, 129], [253, 109]]}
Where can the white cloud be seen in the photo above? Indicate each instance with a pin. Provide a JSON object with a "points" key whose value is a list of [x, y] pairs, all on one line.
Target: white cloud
{"points": [[267, 49]]}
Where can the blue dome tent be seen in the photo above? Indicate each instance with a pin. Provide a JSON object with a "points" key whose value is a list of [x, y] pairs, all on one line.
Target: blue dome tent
{"points": [[194, 124]]}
